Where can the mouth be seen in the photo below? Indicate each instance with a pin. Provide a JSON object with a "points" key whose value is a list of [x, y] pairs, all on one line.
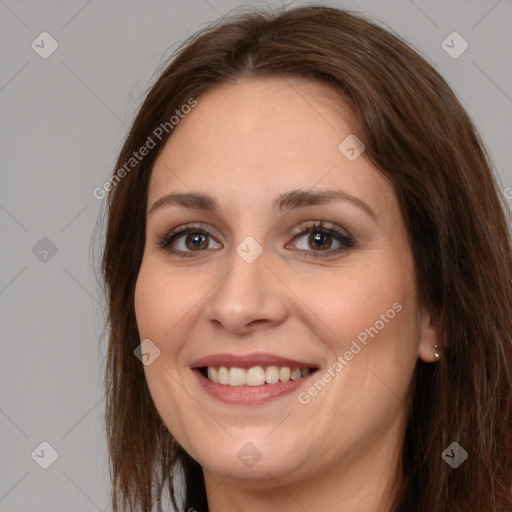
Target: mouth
{"points": [[254, 376], [251, 379]]}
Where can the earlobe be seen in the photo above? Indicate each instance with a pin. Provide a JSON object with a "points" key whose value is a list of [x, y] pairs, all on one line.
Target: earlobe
{"points": [[429, 349]]}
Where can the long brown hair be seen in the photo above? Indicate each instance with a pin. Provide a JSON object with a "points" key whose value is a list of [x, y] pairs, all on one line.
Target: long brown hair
{"points": [[419, 136]]}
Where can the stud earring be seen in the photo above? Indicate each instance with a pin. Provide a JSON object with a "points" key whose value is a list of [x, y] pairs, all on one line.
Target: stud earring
{"points": [[436, 353]]}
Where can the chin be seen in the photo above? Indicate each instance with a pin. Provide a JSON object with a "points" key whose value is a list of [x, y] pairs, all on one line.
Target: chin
{"points": [[250, 458]]}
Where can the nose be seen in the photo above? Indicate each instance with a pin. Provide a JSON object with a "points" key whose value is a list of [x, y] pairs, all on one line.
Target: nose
{"points": [[249, 296]]}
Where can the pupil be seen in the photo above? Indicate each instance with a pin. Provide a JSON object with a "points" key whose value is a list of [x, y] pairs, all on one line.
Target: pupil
{"points": [[320, 240], [196, 241]]}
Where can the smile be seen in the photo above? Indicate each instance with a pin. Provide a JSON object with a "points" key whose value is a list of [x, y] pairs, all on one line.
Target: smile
{"points": [[255, 376], [251, 379]]}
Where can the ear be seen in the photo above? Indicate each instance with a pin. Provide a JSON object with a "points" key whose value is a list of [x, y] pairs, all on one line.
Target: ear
{"points": [[430, 342]]}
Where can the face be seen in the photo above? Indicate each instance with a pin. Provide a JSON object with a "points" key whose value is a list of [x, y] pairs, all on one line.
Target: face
{"points": [[308, 298]]}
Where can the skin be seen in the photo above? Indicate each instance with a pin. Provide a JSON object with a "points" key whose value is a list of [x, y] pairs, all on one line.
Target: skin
{"points": [[245, 143]]}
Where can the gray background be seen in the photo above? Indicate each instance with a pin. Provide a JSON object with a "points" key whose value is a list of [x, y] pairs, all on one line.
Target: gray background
{"points": [[63, 122]]}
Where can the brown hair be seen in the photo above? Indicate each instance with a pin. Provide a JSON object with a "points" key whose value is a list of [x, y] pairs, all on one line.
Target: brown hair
{"points": [[420, 137]]}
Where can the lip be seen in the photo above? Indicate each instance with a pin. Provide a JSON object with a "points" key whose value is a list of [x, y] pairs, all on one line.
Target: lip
{"points": [[249, 360], [249, 395]]}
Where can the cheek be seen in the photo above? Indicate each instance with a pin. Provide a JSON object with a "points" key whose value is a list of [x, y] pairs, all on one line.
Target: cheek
{"points": [[163, 314], [368, 319], [351, 301], [160, 301]]}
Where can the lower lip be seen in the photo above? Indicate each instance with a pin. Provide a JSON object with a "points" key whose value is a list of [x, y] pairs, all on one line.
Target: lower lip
{"points": [[249, 395]]}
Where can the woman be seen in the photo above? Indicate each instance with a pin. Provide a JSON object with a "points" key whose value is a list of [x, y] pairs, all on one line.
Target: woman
{"points": [[308, 251]]}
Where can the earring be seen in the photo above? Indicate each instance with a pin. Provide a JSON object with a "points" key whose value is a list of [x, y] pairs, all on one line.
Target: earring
{"points": [[436, 353]]}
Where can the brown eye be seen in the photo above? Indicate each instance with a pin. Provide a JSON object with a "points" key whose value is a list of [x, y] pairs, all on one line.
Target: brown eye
{"points": [[187, 240], [320, 240], [196, 241]]}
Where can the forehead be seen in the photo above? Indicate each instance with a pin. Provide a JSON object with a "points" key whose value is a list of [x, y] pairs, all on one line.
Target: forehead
{"points": [[255, 139]]}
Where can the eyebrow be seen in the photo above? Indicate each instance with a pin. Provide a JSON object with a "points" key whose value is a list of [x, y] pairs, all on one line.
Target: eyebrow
{"points": [[293, 199]]}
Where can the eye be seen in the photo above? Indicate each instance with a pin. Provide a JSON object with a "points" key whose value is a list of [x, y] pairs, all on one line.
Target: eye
{"points": [[186, 240], [322, 238]]}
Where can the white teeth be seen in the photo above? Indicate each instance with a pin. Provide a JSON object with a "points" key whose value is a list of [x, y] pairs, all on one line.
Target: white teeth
{"points": [[296, 374], [272, 375], [236, 377], [213, 375], [284, 373], [223, 375], [255, 376]]}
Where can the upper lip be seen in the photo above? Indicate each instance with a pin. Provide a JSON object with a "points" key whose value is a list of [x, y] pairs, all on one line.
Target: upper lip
{"points": [[249, 360]]}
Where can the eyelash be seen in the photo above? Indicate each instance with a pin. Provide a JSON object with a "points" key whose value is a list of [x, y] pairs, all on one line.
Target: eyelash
{"points": [[164, 241]]}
